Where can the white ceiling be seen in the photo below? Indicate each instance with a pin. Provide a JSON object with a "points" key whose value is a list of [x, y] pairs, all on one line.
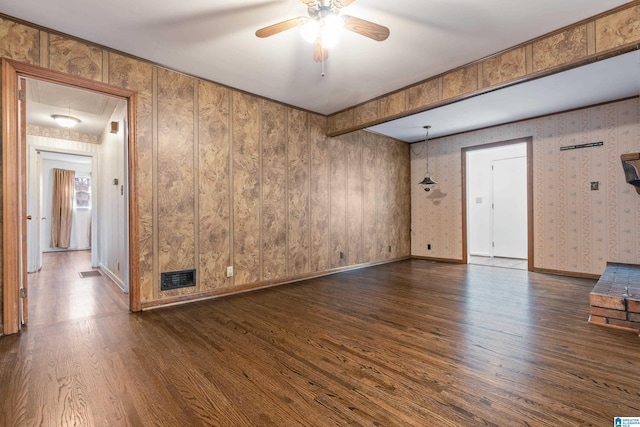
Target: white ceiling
{"points": [[46, 99], [216, 40]]}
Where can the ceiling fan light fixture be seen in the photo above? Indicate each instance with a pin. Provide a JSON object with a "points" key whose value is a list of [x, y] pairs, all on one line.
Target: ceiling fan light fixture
{"points": [[331, 27], [333, 24], [310, 30], [328, 29], [324, 25], [65, 121]]}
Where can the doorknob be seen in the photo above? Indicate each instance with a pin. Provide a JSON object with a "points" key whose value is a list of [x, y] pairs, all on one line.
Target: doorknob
{"points": [[29, 217]]}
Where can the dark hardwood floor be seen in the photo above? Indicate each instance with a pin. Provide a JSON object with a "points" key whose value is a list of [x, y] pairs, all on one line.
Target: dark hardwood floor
{"points": [[57, 293], [414, 343]]}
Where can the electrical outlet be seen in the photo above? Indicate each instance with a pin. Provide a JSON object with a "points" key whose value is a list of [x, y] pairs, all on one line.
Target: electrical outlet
{"points": [[341, 255], [429, 246], [389, 248], [230, 271], [595, 185]]}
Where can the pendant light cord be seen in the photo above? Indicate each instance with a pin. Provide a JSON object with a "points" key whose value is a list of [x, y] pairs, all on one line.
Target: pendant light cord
{"points": [[419, 152]]}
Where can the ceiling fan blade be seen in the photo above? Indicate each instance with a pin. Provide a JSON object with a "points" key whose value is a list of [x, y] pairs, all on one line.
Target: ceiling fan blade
{"points": [[342, 3], [366, 28], [280, 27], [320, 54], [310, 3]]}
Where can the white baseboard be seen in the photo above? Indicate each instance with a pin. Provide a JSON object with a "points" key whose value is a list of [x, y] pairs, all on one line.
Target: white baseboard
{"points": [[112, 276], [480, 254]]}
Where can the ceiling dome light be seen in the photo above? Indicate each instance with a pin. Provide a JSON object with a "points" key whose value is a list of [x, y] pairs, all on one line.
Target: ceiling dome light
{"points": [[65, 121]]}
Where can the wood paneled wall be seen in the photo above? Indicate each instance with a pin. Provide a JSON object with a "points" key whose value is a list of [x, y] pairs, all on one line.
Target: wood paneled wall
{"points": [[226, 178]]}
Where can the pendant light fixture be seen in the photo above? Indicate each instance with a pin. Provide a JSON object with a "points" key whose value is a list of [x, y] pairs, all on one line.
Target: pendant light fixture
{"points": [[427, 183]]}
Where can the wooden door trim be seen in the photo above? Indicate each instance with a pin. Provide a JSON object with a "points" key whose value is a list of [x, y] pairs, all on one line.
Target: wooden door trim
{"points": [[22, 155], [530, 222], [11, 72], [10, 197]]}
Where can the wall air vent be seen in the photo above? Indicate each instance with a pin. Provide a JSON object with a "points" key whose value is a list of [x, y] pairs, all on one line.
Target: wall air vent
{"points": [[177, 279]]}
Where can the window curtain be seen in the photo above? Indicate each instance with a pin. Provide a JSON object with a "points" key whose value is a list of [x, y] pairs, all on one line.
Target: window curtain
{"points": [[62, 207]]}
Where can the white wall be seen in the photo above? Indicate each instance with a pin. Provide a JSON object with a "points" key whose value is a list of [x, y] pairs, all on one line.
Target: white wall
{"points": [[34, 186], [81, 219], [113, 225], [480, 196]]}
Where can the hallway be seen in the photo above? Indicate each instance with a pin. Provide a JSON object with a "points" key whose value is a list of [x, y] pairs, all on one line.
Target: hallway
{"points": [[57, 293]]}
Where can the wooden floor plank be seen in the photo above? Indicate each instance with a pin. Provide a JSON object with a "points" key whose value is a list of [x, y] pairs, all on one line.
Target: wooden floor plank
{"points": [[409, 343]]}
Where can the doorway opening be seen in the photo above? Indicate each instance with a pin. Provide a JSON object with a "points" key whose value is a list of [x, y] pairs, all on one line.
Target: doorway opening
{"points": [[93, 152], [498, 204], [102, 164]]}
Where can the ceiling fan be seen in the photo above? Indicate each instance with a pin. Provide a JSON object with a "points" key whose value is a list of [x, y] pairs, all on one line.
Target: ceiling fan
{"points": [[323, 24]]}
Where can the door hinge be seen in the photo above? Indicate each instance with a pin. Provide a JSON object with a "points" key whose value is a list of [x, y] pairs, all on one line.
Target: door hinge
{"points": [[493, 244], [21, 96], [23, 293]]}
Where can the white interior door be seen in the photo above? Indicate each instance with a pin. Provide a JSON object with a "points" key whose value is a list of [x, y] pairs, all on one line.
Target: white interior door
{"points": [[34, 255], [510, 208]]}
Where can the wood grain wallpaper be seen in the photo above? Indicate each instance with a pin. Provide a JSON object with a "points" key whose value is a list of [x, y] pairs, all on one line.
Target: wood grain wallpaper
{"points": [[370, 195], [175, 176], [19, 42], [338, 202], [246, 188], [298, 191], [74, 57], [320, 193], [576, 230], [226, 178], [355, 207], [214, 192], [509, 66], [274, 196], [560, 49]]}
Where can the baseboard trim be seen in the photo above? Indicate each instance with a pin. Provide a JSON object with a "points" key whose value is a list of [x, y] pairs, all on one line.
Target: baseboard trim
{"points": [[567, 273], [112, 276], [217, 293], [445, 260]]}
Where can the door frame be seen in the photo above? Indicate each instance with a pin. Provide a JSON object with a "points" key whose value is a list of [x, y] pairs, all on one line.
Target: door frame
{"points": [[13, 176], [530, 222]]}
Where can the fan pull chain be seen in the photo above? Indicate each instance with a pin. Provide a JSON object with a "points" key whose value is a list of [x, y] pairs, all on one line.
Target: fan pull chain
{"points": [[322, 62]]}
